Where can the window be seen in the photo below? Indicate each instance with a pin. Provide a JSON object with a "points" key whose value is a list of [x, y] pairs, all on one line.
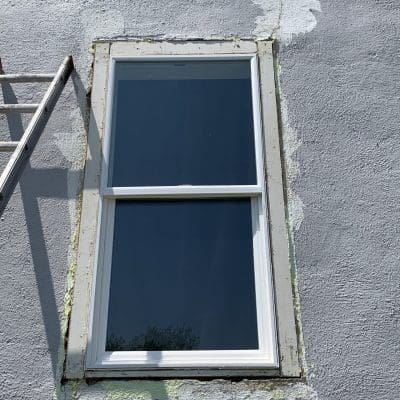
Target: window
{"points": [[182, 275]]}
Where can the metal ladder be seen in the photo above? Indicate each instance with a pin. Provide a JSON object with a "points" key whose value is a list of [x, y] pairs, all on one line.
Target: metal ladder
{"points": [[23, 149]]}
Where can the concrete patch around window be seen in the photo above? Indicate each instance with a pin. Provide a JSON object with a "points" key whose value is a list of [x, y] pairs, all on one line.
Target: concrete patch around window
{"points": [[284, 19], [190, 389]]}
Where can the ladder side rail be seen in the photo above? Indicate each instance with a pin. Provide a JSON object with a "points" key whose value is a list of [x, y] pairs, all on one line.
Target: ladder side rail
{"points": [[25, 147]]}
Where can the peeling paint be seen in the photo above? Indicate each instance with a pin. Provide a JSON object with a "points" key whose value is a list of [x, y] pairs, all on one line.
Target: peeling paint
{"points": [[297, 17], [268, 23], [291, 143]]}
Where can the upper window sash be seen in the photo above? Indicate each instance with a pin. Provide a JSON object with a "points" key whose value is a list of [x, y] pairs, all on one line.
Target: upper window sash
{"points": [[184, 190]]}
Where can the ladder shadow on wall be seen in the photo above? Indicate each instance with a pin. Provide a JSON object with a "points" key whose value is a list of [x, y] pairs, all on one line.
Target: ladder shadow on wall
{"points": [[36, 183]]}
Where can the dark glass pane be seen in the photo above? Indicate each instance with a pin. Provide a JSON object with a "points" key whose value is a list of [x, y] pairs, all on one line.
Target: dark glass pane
{"points": [[182, 123], [182, 276]]}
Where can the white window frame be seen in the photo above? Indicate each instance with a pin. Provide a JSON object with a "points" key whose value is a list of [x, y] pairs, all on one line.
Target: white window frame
{"points": [[91, 311], [266, 355]]}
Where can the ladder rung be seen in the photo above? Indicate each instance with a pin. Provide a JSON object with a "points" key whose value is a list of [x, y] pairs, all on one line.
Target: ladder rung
{"points": [[8, 146], [22, 108], [16, 78], [19, 158]]}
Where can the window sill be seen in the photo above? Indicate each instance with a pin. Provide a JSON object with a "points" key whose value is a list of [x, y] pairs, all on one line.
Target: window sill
{"points": [[184, 373]]}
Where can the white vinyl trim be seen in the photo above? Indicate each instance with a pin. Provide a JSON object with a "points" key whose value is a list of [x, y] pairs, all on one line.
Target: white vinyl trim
{"points": [[264, 270], [182, 191], [266, 355]]}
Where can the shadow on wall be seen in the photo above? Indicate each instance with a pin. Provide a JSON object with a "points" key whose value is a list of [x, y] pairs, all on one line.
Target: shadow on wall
{"points": [[35, 184], [52, 183]]}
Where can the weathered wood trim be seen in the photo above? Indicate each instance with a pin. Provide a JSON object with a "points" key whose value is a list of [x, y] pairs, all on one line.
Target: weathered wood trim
{"points": [[78, 326], [286, 326]]}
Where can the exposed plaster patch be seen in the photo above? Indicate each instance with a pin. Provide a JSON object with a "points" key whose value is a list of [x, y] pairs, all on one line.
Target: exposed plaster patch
{"points": [[283, 19], [291, 143], [218, 389], [294, 17], [247, 389], [142, 390], [297, 17], [295, 214], [295, 206], [267, 24]]}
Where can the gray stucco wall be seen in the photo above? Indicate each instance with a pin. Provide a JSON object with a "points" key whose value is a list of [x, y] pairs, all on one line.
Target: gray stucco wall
{"points": [[340, 87], [342, 83]]}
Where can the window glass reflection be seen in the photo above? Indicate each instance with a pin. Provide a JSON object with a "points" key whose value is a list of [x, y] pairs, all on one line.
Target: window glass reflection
{"points": [[177, 123], [182, 276]]}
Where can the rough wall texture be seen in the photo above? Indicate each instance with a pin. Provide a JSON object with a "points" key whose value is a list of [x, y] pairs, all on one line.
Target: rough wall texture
{"points": [[339, 82], [342, 85]]}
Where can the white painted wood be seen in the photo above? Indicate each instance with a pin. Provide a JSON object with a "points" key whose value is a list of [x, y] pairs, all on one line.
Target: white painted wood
{"points": [[190, 57], [137, 48], [85, 263], [197, 372], [286, 326]]}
